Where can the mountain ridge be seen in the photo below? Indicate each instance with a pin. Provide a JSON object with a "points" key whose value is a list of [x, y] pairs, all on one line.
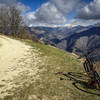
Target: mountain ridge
{"points": [[66, 38]]}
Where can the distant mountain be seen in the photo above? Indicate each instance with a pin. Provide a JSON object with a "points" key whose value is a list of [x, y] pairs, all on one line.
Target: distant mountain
{"points": [[53, 35], [77, 39], [82, 41]]}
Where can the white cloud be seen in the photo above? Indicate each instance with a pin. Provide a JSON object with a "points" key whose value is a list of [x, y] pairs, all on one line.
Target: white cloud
{"points": [[8, 2], [22, 7], [90, 11], [48, 13], [76, 22], [65, 6], [53, 12]]}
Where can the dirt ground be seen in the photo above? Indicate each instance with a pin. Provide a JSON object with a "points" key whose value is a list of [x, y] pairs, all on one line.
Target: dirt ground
{"points": [[19, 64]]}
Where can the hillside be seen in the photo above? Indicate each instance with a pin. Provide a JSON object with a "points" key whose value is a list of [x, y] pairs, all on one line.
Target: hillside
{"points": [[52, 35], [82, 41], [90, 37], [58, 75], [74, 39]]}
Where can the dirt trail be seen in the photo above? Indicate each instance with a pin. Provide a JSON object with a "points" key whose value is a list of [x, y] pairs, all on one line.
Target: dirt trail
{"points": [[19, 64]]}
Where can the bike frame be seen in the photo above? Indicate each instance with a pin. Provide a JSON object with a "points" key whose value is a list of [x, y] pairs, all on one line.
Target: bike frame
{"points": [[90, 70]]}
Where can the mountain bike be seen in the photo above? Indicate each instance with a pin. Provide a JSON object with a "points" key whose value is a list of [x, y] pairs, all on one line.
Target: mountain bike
{"points": [[94, 77]]}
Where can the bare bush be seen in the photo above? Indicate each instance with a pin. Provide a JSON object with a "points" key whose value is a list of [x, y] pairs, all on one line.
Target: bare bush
{"points": [[4, 19], [15, 21]]}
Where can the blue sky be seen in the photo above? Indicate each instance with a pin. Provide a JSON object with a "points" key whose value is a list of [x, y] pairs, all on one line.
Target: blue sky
{"points": [[33, 4], [58, 12], [67, 17]]}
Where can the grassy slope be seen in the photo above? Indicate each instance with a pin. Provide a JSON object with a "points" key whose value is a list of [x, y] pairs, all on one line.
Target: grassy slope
{"points": [[60, 80]]}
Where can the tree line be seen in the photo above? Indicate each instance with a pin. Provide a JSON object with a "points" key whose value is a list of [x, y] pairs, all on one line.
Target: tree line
{"points": [[12, 23]]}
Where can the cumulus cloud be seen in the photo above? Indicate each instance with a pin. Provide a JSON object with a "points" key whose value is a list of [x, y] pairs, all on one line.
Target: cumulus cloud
{"points": [[76, 22], [53, 12], [65, 6], [46, 14], [7, 2], [22, 7], [90, 11]]}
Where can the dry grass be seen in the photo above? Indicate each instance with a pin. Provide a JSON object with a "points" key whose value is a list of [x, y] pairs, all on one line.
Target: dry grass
{"points": [[63, 78]]}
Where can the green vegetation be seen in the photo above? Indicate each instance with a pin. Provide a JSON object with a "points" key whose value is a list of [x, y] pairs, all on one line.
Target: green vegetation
{"points": [[60, 80]]}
